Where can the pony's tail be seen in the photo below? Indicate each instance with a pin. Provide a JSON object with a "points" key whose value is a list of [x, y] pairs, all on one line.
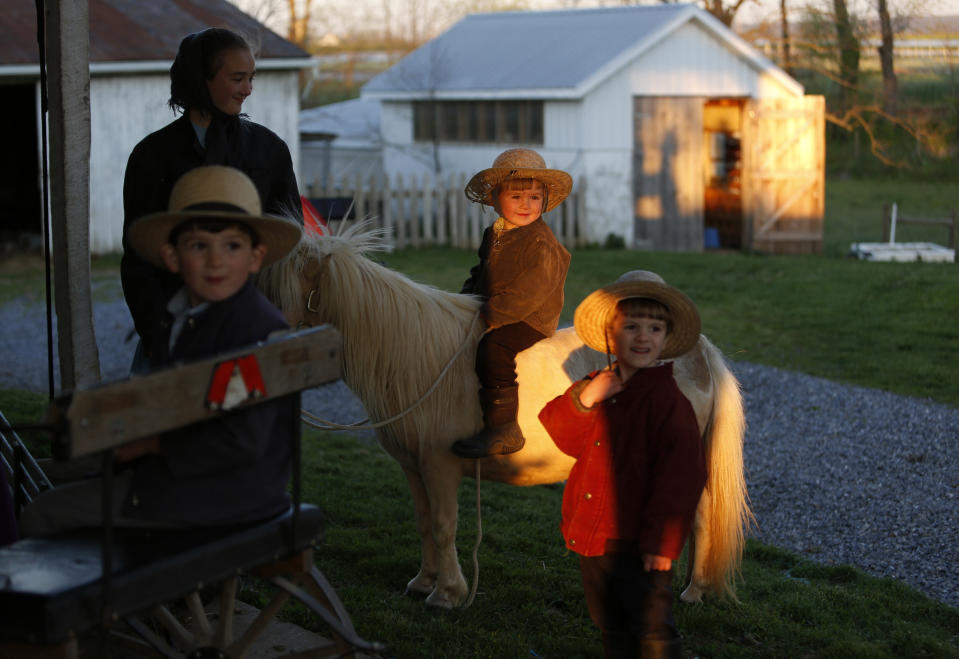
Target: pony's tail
{"points": [[727, 500]]}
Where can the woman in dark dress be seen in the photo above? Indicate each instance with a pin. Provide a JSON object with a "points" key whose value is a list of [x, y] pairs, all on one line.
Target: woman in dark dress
{"points": [[210, 79]]}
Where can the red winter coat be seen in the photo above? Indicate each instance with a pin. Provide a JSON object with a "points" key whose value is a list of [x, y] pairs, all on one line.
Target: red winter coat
{"points": [[640, 466]]}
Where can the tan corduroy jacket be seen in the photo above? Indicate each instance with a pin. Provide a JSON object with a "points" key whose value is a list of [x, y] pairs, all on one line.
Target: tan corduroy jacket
{"points": [[521, 275]]}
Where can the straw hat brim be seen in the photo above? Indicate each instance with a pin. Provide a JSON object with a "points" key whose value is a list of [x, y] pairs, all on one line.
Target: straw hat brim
{"points": [[149, 233], [558, 183], [593, 315]]}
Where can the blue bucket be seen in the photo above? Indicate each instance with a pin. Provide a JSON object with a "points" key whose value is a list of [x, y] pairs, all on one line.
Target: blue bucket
{"points": [[711, 238]]}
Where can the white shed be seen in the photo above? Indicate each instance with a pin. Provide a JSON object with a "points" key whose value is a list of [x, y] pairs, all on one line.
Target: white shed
{"points": [[132, 45], [683, 132]]}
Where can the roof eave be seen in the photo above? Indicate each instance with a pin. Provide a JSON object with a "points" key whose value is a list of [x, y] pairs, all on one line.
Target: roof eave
{"points": [[552, 94], [152, 66]]}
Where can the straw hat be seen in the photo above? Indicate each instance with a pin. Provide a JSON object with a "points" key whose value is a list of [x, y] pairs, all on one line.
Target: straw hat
{"points": [[520, 163], [593, 314], [214, 193]]}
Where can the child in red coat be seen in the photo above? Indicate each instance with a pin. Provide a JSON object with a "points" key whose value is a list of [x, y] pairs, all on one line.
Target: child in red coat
{"points": [[631, 497]]}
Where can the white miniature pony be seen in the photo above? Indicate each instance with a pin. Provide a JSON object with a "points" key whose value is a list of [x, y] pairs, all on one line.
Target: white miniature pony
{"points": [[399, 336]]}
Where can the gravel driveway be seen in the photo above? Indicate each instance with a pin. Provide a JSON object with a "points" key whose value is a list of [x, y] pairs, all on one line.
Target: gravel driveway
{"points": [[840, 474]]}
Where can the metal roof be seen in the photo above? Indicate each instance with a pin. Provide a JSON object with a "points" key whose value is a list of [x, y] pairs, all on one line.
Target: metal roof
{"points": [[356, 121], [544, 54], [139, 30]]}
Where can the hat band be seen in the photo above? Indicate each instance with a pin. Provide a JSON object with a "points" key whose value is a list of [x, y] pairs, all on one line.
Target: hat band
{"points": [[221, 206]]}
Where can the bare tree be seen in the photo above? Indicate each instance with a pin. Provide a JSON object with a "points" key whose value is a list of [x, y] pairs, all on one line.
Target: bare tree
{"points": [[784, 34], [299, 25], [724, 10], [890, 91], [268, 12], [848, 43]]}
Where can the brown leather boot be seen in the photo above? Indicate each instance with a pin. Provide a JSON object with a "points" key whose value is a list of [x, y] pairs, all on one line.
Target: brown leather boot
{"points": [[501, 434]]}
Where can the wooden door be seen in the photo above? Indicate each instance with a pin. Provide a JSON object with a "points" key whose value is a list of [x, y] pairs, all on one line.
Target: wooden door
{"points": [[783, 152], [667, 173]]}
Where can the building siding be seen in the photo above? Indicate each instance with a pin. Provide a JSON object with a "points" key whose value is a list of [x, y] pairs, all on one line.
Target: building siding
{"points": [[125, 109]]}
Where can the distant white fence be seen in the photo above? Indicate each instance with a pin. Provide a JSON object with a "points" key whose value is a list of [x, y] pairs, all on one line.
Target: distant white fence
{"points": [[419, 213]]}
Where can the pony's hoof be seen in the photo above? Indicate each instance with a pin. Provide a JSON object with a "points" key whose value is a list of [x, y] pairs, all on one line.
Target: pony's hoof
{"points": [[692, 595], [439, 600], [418, 588]]}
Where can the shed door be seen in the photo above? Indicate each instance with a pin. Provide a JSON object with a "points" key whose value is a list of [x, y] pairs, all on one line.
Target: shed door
{"points": [[667, 173], [783, 154]]}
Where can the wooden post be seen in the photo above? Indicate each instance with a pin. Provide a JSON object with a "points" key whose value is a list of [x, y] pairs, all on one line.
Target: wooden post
{"points": [[387, 196], [375, 202], [457, 211], [581, 219], [417, 222], [68, 62], [474, 227], [398, 192], [952, 231], [429, 189], [359, 197]]}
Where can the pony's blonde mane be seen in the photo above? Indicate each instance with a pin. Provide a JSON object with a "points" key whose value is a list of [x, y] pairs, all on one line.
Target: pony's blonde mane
{"points": [[402, 332]]}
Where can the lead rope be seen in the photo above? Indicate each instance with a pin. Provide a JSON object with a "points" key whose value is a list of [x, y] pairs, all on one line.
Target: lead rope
{"points": [[317, 422], [479, 538]]}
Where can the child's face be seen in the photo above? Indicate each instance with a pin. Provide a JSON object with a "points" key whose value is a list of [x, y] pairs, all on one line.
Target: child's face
{"points": [[637, 342], [521, 207], [213, 266], [233, 81]]}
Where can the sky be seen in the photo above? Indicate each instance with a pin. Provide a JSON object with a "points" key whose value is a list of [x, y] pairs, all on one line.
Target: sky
{"points": [[421, 19]]}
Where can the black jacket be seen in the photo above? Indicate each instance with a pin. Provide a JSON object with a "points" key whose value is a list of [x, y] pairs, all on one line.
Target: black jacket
{"points": [[155, 165], [231, 469]]}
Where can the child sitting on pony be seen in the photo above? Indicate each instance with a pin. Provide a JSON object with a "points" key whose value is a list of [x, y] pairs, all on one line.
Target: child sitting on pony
{"points": [[520, 276]]}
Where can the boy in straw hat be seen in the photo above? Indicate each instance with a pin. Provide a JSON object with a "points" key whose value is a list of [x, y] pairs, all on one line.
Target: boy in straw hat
{"points": [[632, 494], [520, 276], [232, 469]]}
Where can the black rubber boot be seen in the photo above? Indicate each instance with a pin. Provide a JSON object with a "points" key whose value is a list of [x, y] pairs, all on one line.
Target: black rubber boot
{"points": [[501, 434]]}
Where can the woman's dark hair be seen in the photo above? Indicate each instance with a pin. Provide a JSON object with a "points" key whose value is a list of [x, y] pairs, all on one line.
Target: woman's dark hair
{"points": [[197, 60]]}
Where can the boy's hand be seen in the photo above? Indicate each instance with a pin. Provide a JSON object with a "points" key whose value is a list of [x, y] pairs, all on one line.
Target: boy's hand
{"points": [[654, 563], [604, 385]]}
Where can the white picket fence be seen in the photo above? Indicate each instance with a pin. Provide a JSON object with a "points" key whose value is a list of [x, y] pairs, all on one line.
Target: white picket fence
{"points": [[421, 214]]}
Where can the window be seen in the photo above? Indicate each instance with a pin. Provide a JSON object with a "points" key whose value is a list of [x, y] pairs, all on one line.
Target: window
{"points": [[478, 121]]}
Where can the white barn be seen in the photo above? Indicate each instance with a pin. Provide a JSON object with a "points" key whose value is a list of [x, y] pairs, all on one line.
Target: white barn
{"points": [[132, 45], [683, 132]]}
